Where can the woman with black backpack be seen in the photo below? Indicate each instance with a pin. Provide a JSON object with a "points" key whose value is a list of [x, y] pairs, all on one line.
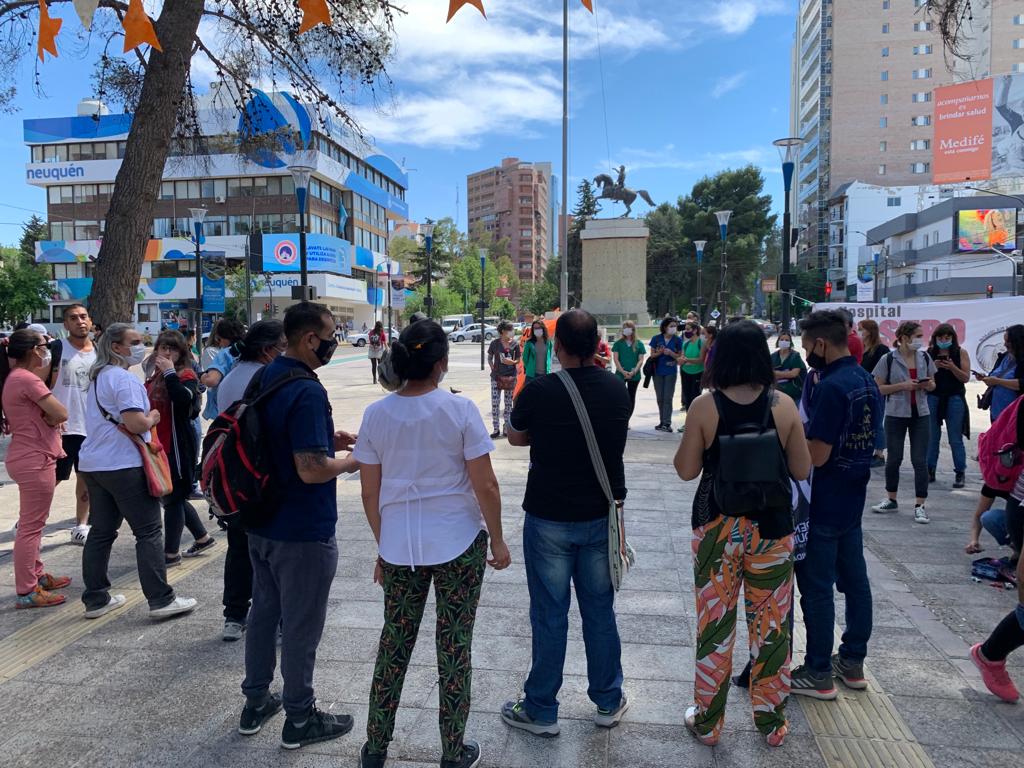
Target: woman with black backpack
{"points": [[746, 441]]}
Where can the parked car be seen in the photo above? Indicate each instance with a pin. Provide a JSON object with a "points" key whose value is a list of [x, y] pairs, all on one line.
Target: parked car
{"points": [[360, 339], [466, 333]]}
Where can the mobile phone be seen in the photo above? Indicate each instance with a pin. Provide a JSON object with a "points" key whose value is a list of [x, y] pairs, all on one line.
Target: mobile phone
{"points": [[922, 381], [978, 374]]}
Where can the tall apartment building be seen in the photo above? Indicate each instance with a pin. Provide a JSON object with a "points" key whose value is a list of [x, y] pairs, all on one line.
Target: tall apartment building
{"points": [[512, 201], [863, 76]]}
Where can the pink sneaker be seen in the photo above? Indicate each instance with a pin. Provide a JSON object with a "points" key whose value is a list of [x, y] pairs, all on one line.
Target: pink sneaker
{"points": [[995, 677]]}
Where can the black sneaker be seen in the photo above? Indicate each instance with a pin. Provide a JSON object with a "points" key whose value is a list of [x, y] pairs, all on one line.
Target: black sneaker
{"points": [[495, 434], [958, 482], [369, 760], [807, 683], [470, 757], [850, 672], [198, 548], [742, 680], [319, 726], [931, 475], [253, 718]]}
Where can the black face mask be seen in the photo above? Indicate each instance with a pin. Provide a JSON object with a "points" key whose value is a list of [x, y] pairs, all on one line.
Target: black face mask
{"points": [[325, 350], [815, 360]]}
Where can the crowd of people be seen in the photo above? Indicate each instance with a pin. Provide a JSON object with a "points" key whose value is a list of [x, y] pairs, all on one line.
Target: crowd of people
{"points": [[758, 423]]}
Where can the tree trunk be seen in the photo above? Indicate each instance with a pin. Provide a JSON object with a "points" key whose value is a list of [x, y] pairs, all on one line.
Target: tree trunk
{"points": [[130, 216]]}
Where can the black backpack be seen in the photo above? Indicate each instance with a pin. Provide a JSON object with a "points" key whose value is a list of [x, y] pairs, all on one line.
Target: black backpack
{"points": [[236, 465], [753, 474]]}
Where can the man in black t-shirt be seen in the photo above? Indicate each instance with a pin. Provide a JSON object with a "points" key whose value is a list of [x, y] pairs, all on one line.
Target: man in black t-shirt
{"points": [[565, 538]]}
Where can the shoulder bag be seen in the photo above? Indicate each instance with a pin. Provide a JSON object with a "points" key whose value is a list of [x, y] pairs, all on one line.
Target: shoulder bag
{"points": [[155, 465], [620, 554]]}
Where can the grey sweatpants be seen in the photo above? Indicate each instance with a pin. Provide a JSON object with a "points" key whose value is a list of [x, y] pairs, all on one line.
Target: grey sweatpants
{"points": [[290, 584]]}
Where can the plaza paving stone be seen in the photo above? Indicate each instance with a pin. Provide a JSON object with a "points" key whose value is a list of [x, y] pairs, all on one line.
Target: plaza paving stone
{"points": [[133, 693]]}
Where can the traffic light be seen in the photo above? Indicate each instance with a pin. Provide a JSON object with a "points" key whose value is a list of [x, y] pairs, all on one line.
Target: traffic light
{"points": [[988, 290], [266, 307], [828, 289]]}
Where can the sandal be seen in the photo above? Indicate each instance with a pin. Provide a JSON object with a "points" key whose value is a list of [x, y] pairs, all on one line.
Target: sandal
{"points": [[48, 582], [39, 598]]}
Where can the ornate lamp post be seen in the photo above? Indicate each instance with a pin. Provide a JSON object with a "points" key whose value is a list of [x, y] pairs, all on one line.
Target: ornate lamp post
{"points": [[787, 152], [427, 230], [198, 217], [700, 278], [301, 174], [723, 229]]}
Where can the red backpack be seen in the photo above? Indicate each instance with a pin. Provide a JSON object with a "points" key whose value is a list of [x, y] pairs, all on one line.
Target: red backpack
{"points": [[236, 467], [998, 453]]}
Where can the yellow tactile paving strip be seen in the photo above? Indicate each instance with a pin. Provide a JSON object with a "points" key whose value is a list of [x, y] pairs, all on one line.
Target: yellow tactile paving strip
{"points": [[58, 627], [860, 729]]}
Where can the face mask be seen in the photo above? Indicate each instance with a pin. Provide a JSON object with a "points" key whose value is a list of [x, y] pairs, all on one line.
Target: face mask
{"points": [[325, 350], [815, 360], [688, 334], [538, 333], [627, 332], [138, 353], [45, 361], [944, 344], [917, 344], [673, 330], [785, 344]]}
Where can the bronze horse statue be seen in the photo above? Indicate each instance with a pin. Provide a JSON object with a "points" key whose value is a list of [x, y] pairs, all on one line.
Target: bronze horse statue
{"points": [[612, 191]]}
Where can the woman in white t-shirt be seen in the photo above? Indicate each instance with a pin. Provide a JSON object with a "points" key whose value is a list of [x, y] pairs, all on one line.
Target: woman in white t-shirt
{"points": [[376, 343], [112, 467], [431, 498]]}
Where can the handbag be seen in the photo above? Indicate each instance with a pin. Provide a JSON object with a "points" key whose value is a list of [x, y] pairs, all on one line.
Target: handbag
{"points": [[505, 382], [155, 465], [985, 399], [621, 556]]}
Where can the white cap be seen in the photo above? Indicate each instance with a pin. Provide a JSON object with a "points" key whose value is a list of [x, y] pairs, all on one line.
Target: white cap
{"points": [[38, 328]]}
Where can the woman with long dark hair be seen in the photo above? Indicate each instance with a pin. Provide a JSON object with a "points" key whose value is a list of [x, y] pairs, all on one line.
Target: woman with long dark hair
{"points": [[948, 403], [376, 343], [32, 416], [172, 387], [537, 352], [874, 350], [432, 501], [1007, 375], [503, 355], [733, 548]]}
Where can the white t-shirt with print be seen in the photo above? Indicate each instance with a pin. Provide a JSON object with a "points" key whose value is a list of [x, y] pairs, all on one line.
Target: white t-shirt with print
{"points": [[429, 513], [105, 448], [72, 385]]}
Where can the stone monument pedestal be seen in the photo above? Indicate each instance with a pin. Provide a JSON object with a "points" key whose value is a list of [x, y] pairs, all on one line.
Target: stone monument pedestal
{"points": [[615, 271]]}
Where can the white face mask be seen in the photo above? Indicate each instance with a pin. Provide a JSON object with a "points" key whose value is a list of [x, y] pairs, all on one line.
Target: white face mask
{"points": [[627, 331], [673, 330], [917, 344], [138, 353], [46, 358], [785, 344], [538, 333]]}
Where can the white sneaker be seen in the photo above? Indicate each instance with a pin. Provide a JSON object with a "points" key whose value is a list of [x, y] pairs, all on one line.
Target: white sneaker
{"points": [[115, 602], [173, 608], [886, 506], [920, 515], [79, 534]]}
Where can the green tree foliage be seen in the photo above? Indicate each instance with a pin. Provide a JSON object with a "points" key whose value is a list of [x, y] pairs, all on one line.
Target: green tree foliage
{"points": [[24, 285], [586, 208], [671, 266], [234, 281], [446, 301], [447, 246]]}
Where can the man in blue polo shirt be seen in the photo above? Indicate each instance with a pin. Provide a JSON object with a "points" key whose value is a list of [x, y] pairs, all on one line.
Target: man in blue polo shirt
{"points": [[846, 412], [295, 556]]}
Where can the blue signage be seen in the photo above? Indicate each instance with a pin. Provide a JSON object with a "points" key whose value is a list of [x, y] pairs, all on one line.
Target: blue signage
{"points": [[323, 254], [214, 266], [56, 172]]}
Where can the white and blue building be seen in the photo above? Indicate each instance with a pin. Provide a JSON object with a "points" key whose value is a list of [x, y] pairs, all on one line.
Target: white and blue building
{"points": [[355, 194]]}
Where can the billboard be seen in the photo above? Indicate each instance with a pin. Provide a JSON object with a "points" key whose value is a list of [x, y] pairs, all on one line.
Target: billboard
{"points": [[323, 254], [986, 229], [979, 130]]}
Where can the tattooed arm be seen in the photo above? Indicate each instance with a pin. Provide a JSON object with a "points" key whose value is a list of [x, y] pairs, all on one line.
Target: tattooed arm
{"points": [[316, 467]]}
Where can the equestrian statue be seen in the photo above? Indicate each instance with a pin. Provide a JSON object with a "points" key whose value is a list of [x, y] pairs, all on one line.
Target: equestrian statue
{"points": [[617, 191]]}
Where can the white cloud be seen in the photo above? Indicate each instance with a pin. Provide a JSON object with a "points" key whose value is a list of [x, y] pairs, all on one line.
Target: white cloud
{"points": [[667, 158], [735, 17], [727, 83]]}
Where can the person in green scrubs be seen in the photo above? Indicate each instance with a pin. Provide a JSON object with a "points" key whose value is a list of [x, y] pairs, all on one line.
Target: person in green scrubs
{"points": [[537, 352], [629, 353], [789, 367]]}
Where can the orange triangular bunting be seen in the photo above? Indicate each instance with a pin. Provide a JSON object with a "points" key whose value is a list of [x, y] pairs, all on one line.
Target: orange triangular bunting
{"points": [[48, 29], [314, 12], [455, 5], [138, 28], [589, 5]]}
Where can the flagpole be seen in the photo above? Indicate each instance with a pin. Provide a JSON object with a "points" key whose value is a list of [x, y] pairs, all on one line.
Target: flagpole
{"points": [[563, 223]]}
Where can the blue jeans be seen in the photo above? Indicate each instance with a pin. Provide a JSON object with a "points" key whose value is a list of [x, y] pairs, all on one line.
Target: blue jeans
{"points": [[956, 410], [880, 435], [994, 521], [834, 556], [557, 553]]}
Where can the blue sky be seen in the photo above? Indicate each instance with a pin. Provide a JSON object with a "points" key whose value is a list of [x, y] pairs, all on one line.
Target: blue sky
{"points": [[689, 87]]}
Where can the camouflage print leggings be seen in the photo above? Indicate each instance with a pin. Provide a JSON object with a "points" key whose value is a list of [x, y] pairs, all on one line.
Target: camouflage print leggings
{"points": [[457, 592]]}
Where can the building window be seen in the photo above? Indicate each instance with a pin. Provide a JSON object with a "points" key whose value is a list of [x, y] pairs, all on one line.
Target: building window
{"points": [[885, 75], [1019, 42], [87, 230], [884, 98], [881, 170], [885, 52], [149, 313], [922, 50], [1018, 67], [920, 167], [921, 97], [1018, 20], [885, 5], [922, 74], [173, 268], [885, 29], [921, 120], [883, 122], [921, 144], [239, 225], [883, 146], [927, 239], [893, 202], [922, 26]]}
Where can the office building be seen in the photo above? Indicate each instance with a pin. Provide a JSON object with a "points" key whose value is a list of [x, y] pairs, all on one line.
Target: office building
{"points": [[354, 192], [863, 76], [513, 201]]}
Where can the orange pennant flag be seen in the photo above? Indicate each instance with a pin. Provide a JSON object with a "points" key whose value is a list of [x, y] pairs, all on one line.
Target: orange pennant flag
{"points": [[48, 29], [589, 5], [455, 5], [314, 12], [138, 28]]}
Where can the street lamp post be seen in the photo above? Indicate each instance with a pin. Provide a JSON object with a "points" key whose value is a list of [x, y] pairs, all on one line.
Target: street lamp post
{"points": [[723, 230], [482, 304], [198, 217], [427, 230], [700, 278], [787, 152], [301, 174]]}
